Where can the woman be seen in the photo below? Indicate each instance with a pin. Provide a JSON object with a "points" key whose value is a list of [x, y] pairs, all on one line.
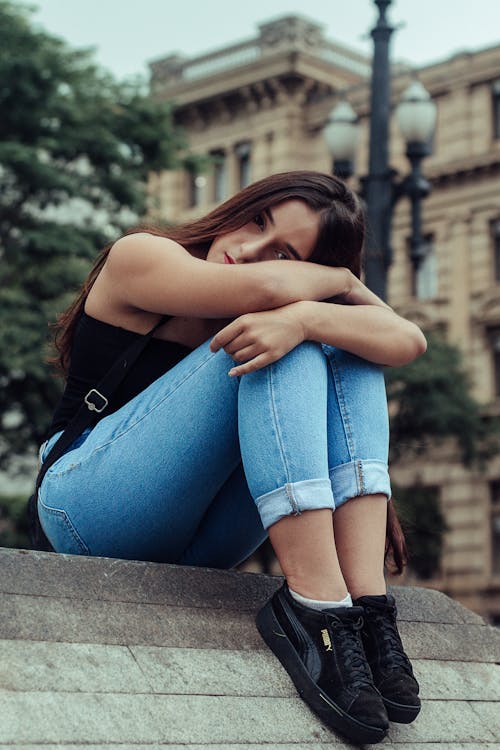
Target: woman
{"points": [[258, 408]]}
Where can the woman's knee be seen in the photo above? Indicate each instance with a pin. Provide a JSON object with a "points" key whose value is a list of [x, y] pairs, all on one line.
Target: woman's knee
{"points": [[358, 385], [353, 367], [298, 377], [303, 358]]}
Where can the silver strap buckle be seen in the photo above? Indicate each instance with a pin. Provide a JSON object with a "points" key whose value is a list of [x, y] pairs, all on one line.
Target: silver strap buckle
{"points": [[92, 406]]}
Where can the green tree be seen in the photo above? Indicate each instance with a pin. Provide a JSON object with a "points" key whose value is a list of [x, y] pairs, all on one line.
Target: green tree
{"points": [[424, 525], [13, 522], [431, 403], [76, 148]]}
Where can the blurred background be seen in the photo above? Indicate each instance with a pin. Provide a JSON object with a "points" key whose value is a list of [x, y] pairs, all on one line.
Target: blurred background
{"points": [[112, 113]]}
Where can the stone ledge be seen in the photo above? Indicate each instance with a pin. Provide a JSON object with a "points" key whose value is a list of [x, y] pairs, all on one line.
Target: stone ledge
{"points": [[97, 652], [106, 579]]}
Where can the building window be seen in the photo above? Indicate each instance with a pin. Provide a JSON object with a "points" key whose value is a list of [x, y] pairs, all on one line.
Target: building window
{"points": [[494, 336], [243, 154], [495, 527], [220, 176], [495, 92], [425, 279], [495, 239]]}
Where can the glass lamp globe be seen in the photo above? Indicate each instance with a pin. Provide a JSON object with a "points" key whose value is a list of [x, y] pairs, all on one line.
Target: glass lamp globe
{"points": [[341, 132], [416, 114]]}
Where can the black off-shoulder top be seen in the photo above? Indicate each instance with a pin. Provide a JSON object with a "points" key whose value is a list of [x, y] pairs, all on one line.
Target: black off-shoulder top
{"points": [[96, 347]]}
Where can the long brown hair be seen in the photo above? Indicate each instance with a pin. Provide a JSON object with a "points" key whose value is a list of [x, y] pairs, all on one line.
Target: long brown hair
{"points": [[396, 551], [339, 243]]}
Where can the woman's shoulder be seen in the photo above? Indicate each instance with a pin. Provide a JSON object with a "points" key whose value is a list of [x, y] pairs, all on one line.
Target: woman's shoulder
{"points": [[141, 248], [136, 264], [124, 294]]}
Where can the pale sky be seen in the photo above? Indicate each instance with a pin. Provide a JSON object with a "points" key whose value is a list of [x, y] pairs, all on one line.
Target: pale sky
{"points": [[129, 33]]}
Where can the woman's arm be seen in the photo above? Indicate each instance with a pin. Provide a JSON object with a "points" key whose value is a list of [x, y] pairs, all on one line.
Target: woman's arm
{"points": [[158, 275], [373, 332]]}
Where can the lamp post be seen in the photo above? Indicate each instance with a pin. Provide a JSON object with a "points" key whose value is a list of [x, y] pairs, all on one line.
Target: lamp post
{"points": [[416, 114]]}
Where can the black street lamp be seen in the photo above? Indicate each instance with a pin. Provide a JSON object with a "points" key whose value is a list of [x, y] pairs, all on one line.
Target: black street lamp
{"points": [[416, 114]]}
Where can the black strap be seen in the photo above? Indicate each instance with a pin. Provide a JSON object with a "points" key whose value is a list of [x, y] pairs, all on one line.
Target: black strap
{"points": [[96, 401]]}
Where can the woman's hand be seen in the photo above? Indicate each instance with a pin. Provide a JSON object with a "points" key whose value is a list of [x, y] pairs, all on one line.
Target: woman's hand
{"points": [[259, 338]]}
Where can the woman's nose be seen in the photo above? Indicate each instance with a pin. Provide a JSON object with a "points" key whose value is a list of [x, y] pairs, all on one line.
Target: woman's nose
{"points": [[251, 251]]}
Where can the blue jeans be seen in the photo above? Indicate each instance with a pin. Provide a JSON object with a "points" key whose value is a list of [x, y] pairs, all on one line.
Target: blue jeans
{"points": [[197, 466]]}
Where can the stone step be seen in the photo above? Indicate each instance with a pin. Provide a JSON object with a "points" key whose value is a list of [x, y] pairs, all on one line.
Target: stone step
{"points": [[90, 668], [107, 719], [71, 620]]}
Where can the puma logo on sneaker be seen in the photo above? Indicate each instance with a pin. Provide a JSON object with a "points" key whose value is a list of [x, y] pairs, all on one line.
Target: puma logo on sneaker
{"points": [[326, 639]]}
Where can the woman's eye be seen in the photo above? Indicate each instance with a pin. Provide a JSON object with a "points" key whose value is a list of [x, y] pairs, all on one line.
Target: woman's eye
{"points": [[260, 221], [281, 256]]}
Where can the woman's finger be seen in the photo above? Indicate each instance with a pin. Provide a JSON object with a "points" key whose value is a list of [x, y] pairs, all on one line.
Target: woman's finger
{"points": [[226, 335], [242, 354], [242, 341], [262, 360]]}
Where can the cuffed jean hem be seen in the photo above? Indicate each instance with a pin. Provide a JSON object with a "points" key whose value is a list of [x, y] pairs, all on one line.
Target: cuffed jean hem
{"points": [[368, 477], [293, 498]]}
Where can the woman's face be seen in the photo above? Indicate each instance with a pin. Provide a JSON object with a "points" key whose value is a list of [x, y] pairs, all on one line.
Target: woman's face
{"points": [[285, 231]]}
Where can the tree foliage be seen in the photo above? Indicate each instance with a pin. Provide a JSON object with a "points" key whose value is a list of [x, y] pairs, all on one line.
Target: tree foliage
{"points": [[76, 148], [422, 519], [13, 522], [432, 402]]}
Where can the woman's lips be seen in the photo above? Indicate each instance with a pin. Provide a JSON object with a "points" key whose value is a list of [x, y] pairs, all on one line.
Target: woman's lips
{"points": [[228, 258]]}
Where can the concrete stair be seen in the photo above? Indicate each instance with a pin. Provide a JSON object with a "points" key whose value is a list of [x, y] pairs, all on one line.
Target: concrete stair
{"points": [[97, 652]]}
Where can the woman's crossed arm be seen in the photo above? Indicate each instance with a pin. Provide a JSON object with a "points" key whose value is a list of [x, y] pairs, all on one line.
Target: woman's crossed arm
{"points": [[371, 331]]}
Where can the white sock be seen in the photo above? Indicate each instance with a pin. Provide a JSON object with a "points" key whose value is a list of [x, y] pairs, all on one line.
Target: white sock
{"points": [[317, 604]]}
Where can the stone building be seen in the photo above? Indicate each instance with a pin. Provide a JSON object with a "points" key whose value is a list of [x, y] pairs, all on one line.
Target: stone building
{"points": [[259, 107]]}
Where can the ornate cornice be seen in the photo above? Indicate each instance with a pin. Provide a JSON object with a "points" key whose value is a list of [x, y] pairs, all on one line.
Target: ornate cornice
{"points": [[248, 99], [485, 309]]}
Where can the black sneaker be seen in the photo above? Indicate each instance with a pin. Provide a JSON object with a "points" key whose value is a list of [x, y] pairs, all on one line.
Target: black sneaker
{"points": [[323, 654], [391, 668]]}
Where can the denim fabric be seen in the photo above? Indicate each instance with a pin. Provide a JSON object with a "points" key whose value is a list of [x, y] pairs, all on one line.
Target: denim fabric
{"points": [[195, 468]]}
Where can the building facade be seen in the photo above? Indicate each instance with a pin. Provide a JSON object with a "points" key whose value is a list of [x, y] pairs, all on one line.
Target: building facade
{"points": [[259, 107]]}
